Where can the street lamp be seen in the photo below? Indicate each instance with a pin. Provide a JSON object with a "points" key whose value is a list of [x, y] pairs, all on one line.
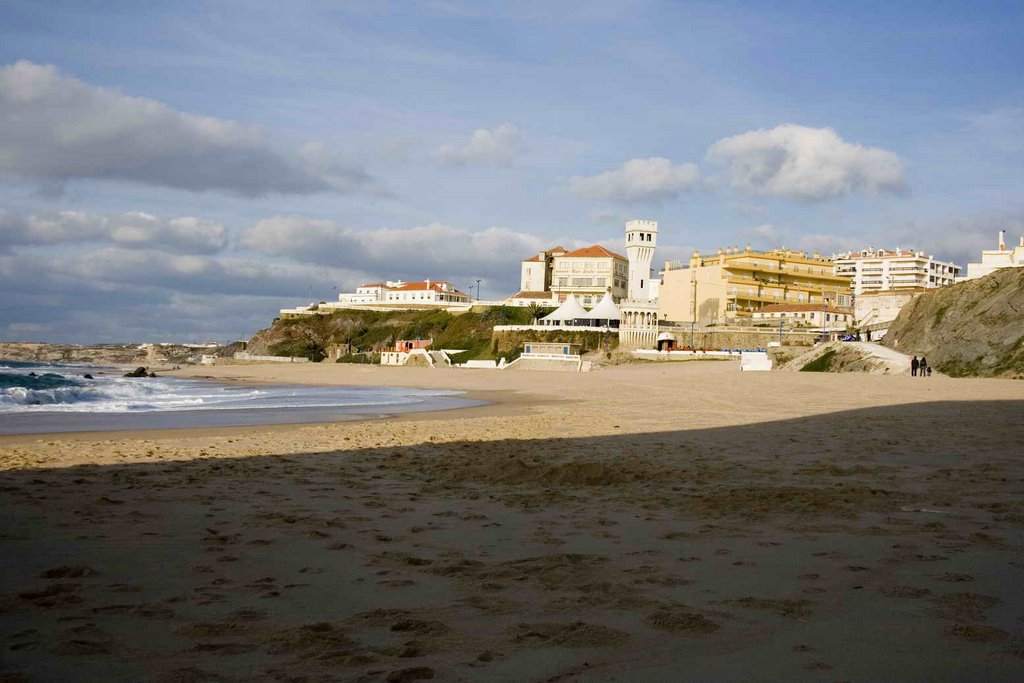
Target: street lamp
{"points": [[478, 289], [824, 308], [693, 318]]}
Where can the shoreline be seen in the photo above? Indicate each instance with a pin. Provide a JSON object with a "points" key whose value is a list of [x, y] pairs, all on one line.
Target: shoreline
{"points": [[604, 525], [495, 403]]}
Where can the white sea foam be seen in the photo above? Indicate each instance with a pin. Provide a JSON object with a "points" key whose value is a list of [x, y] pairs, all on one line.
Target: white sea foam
{"points": [[115, 394]]}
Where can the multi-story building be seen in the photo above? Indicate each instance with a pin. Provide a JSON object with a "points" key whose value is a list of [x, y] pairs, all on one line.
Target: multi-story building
{"points": [[888, 269], [731, 285], [994, 259], [812, 316], [874, 310], [589, 273], [536, 271], [428, 293], [389, 295]]}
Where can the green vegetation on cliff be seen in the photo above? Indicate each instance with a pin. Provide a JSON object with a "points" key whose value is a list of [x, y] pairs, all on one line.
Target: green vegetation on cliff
{"points": [[970, 329], [376, 331], [822, 363]]}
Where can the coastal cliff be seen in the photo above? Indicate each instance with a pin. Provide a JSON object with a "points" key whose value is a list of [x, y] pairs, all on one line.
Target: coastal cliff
{"points": [[970, 329], [376, 331], [370, 332]]}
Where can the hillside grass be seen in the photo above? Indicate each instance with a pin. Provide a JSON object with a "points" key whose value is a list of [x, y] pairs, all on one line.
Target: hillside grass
{"points": [[375, 331], [822, 363]]}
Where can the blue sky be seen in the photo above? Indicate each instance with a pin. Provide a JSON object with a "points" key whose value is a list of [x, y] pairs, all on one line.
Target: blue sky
{"points": [[181, 172]]}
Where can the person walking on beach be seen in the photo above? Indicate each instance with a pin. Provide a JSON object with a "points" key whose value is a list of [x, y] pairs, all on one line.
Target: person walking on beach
{"points": [[923, 371], [914, 365]]}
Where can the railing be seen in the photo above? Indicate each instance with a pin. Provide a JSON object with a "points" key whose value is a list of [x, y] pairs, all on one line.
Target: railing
{"points": [[243, 355], [549, 356]]}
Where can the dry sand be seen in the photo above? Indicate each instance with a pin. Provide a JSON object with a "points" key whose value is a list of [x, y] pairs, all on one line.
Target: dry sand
{"points": [[647, 522]]}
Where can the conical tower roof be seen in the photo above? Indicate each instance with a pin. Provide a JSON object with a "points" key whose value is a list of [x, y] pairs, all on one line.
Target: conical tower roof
{"points": [[605, 310], [569, 310]]}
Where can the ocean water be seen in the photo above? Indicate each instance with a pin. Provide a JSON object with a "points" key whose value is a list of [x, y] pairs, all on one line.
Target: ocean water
{"points": [[40, 398]]}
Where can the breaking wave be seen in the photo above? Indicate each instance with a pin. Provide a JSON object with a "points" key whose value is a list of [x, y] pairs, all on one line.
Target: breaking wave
{"points": [[26, 387]]}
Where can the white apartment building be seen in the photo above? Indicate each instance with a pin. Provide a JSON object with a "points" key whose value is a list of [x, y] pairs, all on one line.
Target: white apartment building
{"points": [[994, 259], [389, 295], [536, 271], [552, 275], [589, 273], [889, 269], [811, 316], [430, 293]]}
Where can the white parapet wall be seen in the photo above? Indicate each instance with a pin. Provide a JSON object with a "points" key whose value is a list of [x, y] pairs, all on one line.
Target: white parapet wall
{"points": [[480, 364], [755, 361], [242, 355], [651, 354]]}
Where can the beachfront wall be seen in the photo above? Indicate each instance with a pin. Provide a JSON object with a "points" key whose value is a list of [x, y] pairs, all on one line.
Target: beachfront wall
{"points": [[735, 338], [243, 356], [508, 340]]}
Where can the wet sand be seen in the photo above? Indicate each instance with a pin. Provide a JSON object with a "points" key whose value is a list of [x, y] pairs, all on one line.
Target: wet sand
{"points": [[649, 522]]}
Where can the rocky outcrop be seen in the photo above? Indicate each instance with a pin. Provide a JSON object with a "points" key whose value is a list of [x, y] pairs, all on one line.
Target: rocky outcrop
{"points": [[104, 354], [970, 329], [850, 357]]}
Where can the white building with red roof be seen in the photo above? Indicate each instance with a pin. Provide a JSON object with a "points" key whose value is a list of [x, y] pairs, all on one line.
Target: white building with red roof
{"points": [[390, 296], [589, 273]]}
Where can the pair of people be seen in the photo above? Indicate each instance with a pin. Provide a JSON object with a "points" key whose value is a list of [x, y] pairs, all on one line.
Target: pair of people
{"points": [[920, 368]]}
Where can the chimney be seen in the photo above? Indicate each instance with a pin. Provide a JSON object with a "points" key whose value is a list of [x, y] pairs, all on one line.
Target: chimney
{"points": [[428, 283], [1002, 240]]}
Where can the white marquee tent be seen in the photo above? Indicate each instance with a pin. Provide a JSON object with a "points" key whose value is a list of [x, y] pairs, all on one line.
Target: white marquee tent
{"points": [[567, 314], [605, 313]]}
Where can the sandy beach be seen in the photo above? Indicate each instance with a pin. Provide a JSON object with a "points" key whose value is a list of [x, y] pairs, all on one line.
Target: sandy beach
{"points": [[653, 521]]}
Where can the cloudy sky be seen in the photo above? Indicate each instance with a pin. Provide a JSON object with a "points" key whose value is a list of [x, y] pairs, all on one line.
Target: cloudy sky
{"points": [[181, 173]]}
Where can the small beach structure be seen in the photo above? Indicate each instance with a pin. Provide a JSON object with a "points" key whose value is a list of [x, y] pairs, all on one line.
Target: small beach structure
{"points": [[551, 350], [567, 314], [557, 356], [406, 350]]}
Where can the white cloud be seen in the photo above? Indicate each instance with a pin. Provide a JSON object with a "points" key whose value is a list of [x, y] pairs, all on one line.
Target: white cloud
{"points": [[765, 235], [55, 128], [410, 252], [498, 147], [805, 163], [639, 180], [134, 230]]}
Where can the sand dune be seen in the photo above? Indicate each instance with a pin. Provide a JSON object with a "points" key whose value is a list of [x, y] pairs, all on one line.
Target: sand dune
{"points": [[655, 522]]}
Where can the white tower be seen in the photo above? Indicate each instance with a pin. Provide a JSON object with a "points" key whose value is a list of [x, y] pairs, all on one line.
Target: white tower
{"points": [[641, 239]]}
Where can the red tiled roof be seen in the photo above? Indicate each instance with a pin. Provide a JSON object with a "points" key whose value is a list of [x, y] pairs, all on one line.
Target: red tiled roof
{"points": [[437, 286], [373, 284], [594, 251]]}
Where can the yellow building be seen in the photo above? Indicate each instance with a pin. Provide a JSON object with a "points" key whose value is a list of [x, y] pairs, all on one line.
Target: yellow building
{"points": [[731, 285]]}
